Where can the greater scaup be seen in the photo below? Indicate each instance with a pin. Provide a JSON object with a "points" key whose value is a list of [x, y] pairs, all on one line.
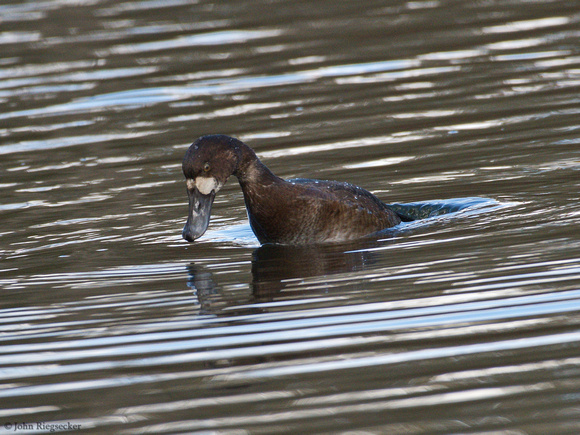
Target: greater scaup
{"points": [[298, 211]]}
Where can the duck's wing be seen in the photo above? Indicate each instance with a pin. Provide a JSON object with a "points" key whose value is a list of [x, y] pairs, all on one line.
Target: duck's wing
{"points": [[345, 193]]}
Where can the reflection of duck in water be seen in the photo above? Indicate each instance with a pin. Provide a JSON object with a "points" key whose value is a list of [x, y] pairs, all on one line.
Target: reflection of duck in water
{"points": [[278, 268], [299, 211], [285, 272]]}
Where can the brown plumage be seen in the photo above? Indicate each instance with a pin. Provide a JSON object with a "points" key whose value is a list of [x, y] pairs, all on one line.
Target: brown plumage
{"points": [[299, 211]]}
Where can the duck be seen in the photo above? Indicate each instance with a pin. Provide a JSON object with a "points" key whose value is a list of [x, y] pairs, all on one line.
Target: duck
{"points": [[287, 212]]}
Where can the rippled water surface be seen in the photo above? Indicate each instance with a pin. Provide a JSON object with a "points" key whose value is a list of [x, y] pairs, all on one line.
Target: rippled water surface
{"points": [[465, 321]]}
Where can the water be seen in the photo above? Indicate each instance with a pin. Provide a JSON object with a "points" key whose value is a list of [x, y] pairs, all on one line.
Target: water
{"points": [[465, 113]]}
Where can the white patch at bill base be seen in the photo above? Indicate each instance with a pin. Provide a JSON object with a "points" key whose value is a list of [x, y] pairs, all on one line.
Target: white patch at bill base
{"points": [[205, 185]]}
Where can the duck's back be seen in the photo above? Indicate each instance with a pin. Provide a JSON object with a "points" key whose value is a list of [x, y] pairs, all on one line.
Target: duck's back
{"points": [[302, 211], [345, 193]]}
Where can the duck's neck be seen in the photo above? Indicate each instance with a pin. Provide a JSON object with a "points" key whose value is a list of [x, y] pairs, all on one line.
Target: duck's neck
{"points": [[251, 171]]}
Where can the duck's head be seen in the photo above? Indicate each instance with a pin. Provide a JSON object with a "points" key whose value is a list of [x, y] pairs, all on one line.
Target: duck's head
{"points": [[207, 165]]}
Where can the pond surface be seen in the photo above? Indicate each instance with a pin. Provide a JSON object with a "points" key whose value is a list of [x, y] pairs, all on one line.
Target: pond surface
{"points": [[467, 321]]}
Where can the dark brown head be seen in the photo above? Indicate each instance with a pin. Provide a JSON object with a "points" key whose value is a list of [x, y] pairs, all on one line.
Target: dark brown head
{"points": [[207, 165]]}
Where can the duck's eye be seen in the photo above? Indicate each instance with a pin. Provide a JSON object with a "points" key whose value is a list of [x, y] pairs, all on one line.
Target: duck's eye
{"points": [[206, 167]]}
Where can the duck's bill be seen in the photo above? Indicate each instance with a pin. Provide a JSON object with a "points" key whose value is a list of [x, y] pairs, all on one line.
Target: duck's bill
{"points": [[199, 214]]}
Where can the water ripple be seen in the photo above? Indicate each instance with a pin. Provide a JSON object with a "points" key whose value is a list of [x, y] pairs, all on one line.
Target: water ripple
{"points": [[466, 317]]}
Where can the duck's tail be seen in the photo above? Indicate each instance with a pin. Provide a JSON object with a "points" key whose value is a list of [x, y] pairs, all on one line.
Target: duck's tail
{"points": [[404, 217], [402, 212]]}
